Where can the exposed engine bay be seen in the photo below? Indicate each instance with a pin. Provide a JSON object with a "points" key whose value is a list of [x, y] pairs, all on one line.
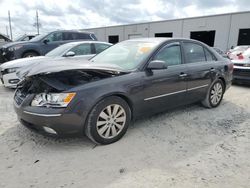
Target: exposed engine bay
{"points": [[61, 81]]}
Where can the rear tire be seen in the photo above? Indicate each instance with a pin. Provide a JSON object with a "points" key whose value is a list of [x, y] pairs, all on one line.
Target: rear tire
{"points": [[30, 54], [214, 95], [108, 121]]}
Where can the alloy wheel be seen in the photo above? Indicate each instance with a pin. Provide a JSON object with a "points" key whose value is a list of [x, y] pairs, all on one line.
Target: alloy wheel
{"points": [[216, 93], [111, 121]]}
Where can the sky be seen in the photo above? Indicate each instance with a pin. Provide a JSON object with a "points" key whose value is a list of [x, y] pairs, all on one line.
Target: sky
{"points": [[82, 14]]}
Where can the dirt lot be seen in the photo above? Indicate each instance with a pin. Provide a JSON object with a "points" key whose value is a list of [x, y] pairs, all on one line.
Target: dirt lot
{"points": [[187, 147]]}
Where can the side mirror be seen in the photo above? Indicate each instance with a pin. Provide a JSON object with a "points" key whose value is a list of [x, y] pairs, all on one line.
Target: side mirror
{"points": [[157, 64], [70, 54], [45, 41]]}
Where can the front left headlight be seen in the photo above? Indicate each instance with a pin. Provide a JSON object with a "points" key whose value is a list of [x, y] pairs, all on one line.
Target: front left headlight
{"points": [[15, 47], [11, 70], [52, 99]]}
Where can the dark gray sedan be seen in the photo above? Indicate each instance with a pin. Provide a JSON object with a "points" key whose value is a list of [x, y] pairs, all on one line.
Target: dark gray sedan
{"points": [[131, 79]]}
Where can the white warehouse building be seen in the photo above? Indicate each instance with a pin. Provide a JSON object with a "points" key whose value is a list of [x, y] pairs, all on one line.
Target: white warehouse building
{"points": [[223, 30]]}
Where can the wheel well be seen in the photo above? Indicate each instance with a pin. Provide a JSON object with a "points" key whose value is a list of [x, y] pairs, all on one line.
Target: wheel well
{"points": [[224, 82], [130, 104], [30, 51]]}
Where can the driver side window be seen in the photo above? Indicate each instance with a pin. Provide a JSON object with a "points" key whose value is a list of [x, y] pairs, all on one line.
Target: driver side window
{"points": [[55, 37], [170, 54]]}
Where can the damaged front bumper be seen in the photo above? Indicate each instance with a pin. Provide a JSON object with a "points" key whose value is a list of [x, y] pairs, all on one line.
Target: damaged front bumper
{"points": [[59, 122]]}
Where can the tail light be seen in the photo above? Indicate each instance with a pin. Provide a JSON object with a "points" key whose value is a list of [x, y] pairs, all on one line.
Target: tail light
{"points": [[240, 56]]}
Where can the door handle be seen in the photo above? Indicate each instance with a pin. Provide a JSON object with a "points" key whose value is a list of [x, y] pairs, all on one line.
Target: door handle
{"points": [[212, 69], [182, 75]]}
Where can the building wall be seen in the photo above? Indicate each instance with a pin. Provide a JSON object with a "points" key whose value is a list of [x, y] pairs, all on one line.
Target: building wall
{"points": [[226, 28], [238, 21], [174, 27], [221, 25]]}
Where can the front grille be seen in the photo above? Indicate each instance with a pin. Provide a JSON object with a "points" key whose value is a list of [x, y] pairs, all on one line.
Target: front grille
{"points": [[242, 72], [1, 56], [19, 97], [6, 55], [240, 64]]}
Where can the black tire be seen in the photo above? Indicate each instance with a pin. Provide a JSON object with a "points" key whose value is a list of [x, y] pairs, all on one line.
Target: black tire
{"points": [[92, 129], [208, 102], [30, 54]]}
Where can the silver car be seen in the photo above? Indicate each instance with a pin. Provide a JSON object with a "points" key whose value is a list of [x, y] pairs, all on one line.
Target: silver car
{"points": [[76, 50], [241, 73]]}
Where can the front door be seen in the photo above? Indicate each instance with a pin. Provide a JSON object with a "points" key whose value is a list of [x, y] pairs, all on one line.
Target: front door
{"points": [[165, 88], [53, 40]]}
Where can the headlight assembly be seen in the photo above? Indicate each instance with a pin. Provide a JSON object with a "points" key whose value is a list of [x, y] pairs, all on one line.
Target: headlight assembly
{"points": [[52, 99], [15, 47], [11, 70]]}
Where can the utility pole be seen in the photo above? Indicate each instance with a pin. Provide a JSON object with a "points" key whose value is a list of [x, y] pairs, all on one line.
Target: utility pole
{"points": [[7, 32], [37, 22], [10, 26]]}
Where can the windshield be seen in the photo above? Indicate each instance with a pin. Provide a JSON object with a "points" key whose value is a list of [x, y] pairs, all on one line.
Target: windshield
{"points": [[60, 51], [39, 37], [19, 38], [127, 55]]}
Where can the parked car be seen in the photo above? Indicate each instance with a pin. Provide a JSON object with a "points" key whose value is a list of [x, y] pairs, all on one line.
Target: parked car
{"points": [[4, 39], [134, 78], [42, 44], [237, 51], [241, 72], [25, 37], [221, 52], [76, 50]]}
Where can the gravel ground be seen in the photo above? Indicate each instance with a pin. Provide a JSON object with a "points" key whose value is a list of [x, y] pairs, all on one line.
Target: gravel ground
{"points": [[186, 147]]}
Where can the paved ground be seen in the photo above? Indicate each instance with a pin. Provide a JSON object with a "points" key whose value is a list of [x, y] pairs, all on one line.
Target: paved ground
{"points": [[187, 147]]}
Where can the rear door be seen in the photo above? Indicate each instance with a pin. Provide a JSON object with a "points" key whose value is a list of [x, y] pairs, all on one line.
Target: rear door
{"points": [[165, 88], [200, 70]]}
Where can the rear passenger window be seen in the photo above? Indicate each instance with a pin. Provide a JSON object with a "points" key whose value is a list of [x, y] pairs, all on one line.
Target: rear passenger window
{"points": [[68, 36], [209, 56], [194, 52], [84, 36], [100, 47], [170, 54], [82, 49]]}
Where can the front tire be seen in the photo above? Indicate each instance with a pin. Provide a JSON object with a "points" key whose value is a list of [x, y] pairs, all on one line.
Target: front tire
{"points": [[214, 95], [108, 121], [29, 54]]}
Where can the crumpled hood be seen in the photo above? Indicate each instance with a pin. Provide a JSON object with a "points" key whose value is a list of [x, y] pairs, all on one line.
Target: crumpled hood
{"points": [[59, 65], [23, 62]]}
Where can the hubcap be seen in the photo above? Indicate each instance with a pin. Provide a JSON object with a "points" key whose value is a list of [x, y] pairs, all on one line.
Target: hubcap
{"points": [[29, 55], [216, 93], [111, 121]]}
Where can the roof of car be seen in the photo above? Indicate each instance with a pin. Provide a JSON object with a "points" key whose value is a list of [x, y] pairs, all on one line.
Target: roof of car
{"points": [[88, 41], [78, 31], [160, 39]]}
